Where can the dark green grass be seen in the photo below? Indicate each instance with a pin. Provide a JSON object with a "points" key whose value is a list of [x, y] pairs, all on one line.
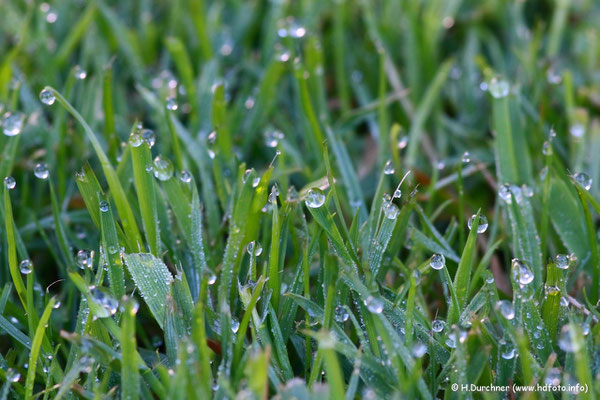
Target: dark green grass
{"points": [[244, 199]]}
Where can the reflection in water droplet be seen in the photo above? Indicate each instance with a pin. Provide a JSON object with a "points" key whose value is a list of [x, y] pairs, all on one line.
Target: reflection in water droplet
{"points": [[315, 198], [41, 171], [483, 223]]}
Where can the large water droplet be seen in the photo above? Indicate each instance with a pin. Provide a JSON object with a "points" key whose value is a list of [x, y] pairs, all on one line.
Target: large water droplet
{"points": [[438, 261], [521, 273], [12, 123], [506, 308], [390, 210], [254, 248], [483, 223], [341, 314], [388, 169], [235, 324], [163, 168], [12, 375], [374, 304], [553, 377], [85, 258], [403, 142], [47, 97], [505, 194], [107, 305], [466, 157], [185, 176], [507, 350], [171, 104], [10, 182], [562, 261], [419, 350], [315, 198], [498, 87], [583, 179], [149, 137], [272, 137], [438, 325], [135, 139], [26, 266], [568, 341], [41, 171], [79, 73], [104, 206]]}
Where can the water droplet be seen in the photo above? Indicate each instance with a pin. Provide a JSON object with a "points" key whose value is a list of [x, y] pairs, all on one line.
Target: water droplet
{"points": [[79, 73], [403, 142], [568, 341], [547, 148], [212, 278], [437, 262], [273, 195], [41, 171], [163, 168], [341, 314], [149, 137], [246, 175], [505, 194], [483, 223], [498, 87], [10, 182], [107, 305], [272, 137], [135, 139], [388, 169], [438, 325], [583, 179], [12, 123], [185, 176], [466, 157], [506, 308], [171, 104], [489, 278], [562, 261], [419, 350], [374, 305], [577, 130], [104, 206], [521, 273], [85, 258], [26, 266], [390, 210], [551, 290], [315, 198], [397, 193], [553, 377], [254, 248], [12, 375], [507, 351], [235, 324], [47, 97]]}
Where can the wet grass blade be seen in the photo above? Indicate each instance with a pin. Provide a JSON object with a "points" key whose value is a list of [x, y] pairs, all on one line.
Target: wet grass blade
{"points": [[123, 206], [153, 279], [36, 345], [146, 195], [130, 379]]}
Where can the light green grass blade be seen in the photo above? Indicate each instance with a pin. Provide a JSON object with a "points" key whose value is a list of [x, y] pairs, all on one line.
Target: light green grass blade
{"points": [[152, 278], [144, 186], [36, 345], [130, 379]]}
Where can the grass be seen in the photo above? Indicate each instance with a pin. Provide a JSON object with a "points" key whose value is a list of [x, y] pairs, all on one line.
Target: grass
{"points": [[261, 187]]}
